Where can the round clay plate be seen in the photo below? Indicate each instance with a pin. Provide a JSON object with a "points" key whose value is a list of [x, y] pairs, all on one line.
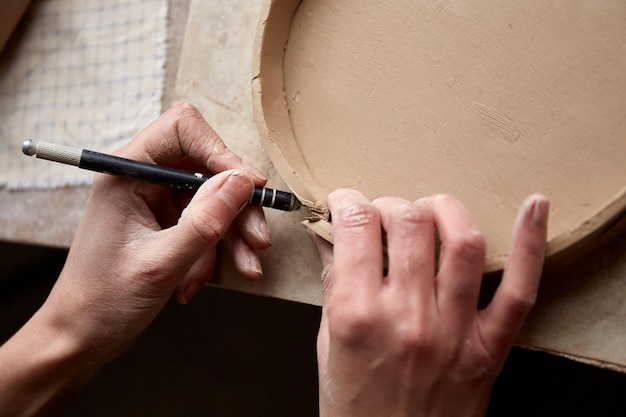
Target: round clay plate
{"points": [[488, 101]]}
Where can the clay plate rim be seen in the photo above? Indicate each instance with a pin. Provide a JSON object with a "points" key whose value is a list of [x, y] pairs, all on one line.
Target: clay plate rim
{"points": [[272, 120]]}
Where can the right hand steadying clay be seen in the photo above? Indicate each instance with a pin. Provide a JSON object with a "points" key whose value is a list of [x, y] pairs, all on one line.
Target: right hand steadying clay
{"points": [[412, 342]]}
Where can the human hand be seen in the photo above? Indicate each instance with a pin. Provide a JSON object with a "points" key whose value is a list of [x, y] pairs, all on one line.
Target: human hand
{"points": [[412, 343], [138, 243]]}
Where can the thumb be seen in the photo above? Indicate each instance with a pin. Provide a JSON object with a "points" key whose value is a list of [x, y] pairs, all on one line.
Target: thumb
{"points": [[325, 251], [207, 217]]}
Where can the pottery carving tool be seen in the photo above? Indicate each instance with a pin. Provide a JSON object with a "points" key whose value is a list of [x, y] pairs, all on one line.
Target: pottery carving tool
{"points": [[152, 173]]}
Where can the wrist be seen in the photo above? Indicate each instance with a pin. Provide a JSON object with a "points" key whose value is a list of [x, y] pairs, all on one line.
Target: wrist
{"points": [[41, 364]]}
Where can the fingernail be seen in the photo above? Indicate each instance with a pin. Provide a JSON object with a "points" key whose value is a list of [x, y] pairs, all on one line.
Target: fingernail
{"points": [[238, 182], [263, 231], [255, 266], [537, 210], [189, 292]]}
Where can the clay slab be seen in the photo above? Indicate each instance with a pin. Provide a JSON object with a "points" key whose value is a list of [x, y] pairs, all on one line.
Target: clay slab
{"points": [[488, 102]]}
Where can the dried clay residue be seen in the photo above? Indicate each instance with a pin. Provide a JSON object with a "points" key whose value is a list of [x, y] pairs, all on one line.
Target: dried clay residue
{"points": [[317, 211]]}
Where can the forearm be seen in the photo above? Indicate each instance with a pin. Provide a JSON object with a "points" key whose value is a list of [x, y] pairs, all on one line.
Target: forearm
{"points": [[40, 365]]}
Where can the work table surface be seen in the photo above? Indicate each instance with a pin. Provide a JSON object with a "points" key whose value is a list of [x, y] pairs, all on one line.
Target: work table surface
{"points": [[580, 310]]}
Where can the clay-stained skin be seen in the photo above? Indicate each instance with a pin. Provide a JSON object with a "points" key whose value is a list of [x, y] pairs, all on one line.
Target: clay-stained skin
{"points": [[487, 101]]}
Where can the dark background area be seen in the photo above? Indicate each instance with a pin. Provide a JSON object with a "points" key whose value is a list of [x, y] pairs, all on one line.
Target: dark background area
{"points": [[233, 354]]}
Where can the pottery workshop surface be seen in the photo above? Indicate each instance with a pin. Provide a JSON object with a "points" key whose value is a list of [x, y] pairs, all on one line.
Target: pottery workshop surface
{"points": [[220, 86]]}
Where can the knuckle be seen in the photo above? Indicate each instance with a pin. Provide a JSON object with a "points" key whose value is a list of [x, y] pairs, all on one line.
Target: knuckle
{"points": [[355, 216], [183, 110], [518, 305], [191, 125], [184, 116], [470, 247], [477, 368], [351, 324], [410, 213], [444, 198], [412, 338], [207, 227], [219, 154], [411, 217], [533, 252], [400, 209]]}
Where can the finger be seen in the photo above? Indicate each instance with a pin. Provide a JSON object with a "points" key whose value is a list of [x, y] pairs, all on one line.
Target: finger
{"points": [[323, 345], [196, 277], [358, 248], [245, 260], [520, 281], [182, 131], [410, 246], [253, 228], [206, 219], [325, 251], [324, 248], [462, 258]]}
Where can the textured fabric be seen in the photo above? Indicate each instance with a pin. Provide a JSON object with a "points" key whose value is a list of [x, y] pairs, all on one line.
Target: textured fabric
{"points": [[84, 73]]}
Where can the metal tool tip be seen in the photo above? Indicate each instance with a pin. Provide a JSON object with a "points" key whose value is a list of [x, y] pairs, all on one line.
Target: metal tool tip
{"points": [[295, 203], [29, 147]]}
